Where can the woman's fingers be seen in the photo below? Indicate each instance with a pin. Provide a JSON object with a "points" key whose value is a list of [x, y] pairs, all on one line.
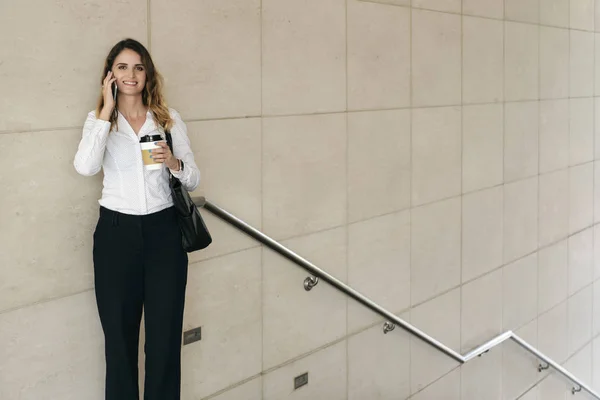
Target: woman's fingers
{"points": [[163, 155], [107, 78], [160, 154]]}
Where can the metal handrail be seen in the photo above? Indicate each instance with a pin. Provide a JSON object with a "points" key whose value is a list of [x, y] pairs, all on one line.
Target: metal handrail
{"points": [[392, 320]]}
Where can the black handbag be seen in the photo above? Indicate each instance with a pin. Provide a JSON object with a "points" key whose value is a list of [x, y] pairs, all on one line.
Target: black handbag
{"points": [[194, 233]]}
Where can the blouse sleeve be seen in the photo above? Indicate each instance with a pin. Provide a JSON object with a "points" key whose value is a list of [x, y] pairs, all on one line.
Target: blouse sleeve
{"points": [[190, 176], [89, 156]]}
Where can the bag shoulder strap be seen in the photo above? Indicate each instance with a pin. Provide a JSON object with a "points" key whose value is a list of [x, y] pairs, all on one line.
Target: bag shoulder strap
{"points": [[170, 143], [169, 140]]}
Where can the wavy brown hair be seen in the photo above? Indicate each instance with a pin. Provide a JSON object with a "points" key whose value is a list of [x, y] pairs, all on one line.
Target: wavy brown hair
{"points": [[152, 96]]}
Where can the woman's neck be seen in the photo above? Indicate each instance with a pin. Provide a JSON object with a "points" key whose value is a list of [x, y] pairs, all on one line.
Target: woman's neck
{"points": [[131, 106]]}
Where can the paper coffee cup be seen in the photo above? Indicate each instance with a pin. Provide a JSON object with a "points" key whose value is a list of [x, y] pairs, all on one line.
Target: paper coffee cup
{"points": [[147, 145]]}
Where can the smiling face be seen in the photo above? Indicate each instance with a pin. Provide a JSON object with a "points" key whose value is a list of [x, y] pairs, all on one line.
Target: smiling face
{"points": [[130, 73]]}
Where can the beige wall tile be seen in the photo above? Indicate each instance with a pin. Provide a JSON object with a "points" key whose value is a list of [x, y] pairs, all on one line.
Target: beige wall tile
{"points": [[481, 232], [522, 10], [581, 197], [484, 8], [555, 12], [596, 192], [378, 367], [224, 297], [581, 148], [520, 293], [378, 56], [553, 207], [554, 387], [554, 63], [580, 319], [447, 388], [303, 56], [326, 376], [440, 318], [304, 174], [581, 263], [596, 252], [436, 146], [597, 128], [435, 226], [483, 146], [532, 394], [554, 135], [596, 364], [482, 377], [596, 309], [521, 140], [520, 218], [597, 16], [379, 266], [436, 59], [521, 61], [228, 154], [52, 58], [580, 365], [582, 14], [519, 366], [378, 163], [394, 2], [481, 318], [483, 67], [53, 350], [553, 333], [214, 70], [581, 64], [48, 216], [597, 65], [295, 322], [248, 391], [553, 276], [453, 6]]}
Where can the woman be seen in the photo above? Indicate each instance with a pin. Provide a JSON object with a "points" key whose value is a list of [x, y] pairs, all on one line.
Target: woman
{"points": [[138, 256]]}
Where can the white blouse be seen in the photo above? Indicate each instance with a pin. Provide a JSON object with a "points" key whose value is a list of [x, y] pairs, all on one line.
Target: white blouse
{"points": [[128, 187]]}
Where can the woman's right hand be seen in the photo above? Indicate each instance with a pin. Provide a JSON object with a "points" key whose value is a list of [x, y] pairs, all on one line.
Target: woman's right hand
{"points": [[109, 101]]}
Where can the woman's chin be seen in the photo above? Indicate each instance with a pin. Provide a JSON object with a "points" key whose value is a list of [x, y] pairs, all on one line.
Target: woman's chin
{"points": [[131, 92]]}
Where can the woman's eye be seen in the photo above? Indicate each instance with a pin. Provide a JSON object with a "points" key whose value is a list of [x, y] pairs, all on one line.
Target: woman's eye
{"points": [[121, 67], [140, 68]]}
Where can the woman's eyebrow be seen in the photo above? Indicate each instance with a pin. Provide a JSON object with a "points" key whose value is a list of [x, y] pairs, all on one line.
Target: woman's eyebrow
{"points": [[136, 65]]}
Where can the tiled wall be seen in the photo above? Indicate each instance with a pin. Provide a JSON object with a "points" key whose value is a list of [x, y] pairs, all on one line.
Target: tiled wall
{"points": [[439, 157]]}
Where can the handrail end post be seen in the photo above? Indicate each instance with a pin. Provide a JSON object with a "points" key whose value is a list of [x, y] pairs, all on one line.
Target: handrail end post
{"points": [[199, 201]]}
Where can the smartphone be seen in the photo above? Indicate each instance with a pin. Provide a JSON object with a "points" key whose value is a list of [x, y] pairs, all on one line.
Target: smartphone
{"points": [[114, 90]]}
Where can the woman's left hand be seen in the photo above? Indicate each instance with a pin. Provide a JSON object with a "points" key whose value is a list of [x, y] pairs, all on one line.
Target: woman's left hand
{"points": [[163, 154]]}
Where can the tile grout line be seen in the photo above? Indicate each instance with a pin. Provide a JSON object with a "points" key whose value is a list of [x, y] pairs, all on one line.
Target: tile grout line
{"points": [[504, 91], [594, 77], [538, 23], [569, 166], [44, 301], [410, 185], [347, 224], [215, 119], [462, 186], [149, 25], [537, 257], [262, 212]]}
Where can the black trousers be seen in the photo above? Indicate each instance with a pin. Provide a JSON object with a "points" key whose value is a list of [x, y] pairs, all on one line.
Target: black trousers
{"points": [[139, 262]]}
